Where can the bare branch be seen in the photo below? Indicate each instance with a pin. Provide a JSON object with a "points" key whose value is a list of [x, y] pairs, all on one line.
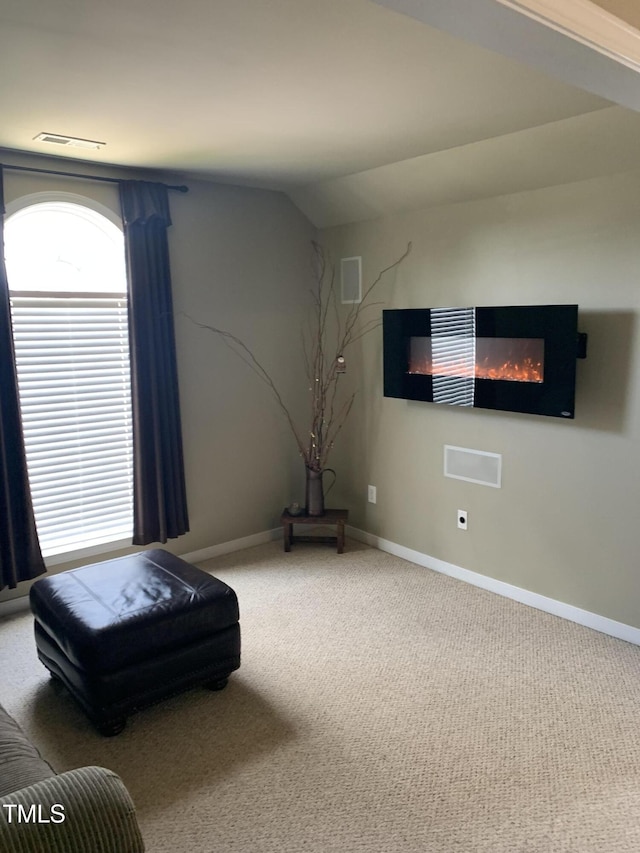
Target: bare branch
{"points": [[242, 350], [320, 357], [355, 314]]}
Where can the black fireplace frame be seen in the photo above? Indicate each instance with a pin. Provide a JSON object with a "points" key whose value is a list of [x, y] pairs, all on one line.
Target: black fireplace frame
{"points": [[557, 325]]}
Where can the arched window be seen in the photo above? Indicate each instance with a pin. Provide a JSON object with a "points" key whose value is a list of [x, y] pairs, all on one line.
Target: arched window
{"points": [[67, 281]]}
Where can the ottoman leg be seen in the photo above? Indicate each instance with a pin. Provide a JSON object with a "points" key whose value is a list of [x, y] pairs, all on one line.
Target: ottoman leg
{"points": [[110, 728], [217, 684]]}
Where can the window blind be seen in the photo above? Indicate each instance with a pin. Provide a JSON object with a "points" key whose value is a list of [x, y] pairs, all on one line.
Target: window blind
{"points": [[72, 357]]}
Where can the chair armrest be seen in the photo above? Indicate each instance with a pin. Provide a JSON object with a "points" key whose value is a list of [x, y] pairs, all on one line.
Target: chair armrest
{"points": [[87, 810]]}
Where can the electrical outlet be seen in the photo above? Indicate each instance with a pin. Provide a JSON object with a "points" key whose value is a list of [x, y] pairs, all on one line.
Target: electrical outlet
{"points": [[462, 519], [371, 494]]}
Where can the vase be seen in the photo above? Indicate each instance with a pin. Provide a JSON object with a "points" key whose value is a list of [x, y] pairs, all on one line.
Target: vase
{"points": [[314, 492]]}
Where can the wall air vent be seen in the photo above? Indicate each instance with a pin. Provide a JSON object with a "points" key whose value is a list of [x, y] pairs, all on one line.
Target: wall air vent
{"points": [[69, 141], [351, 275], [474, 466]]}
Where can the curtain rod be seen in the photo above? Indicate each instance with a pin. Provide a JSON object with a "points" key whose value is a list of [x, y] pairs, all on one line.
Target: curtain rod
{"points": [[181, 189]]}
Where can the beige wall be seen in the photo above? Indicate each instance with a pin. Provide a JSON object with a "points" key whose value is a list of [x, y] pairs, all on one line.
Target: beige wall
{"points": [[240, 260], [564, 524]]}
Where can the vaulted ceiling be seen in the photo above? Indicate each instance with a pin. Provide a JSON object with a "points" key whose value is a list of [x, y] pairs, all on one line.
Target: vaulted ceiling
{"points": [[328, 100]]}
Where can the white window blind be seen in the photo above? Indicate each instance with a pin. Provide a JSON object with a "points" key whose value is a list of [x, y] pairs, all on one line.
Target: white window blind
{"points": [[67, 280], [73, 374]]}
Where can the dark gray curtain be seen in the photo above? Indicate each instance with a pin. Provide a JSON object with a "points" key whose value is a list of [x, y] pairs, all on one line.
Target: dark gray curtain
{"points": [[20, 556], [160, 501]]}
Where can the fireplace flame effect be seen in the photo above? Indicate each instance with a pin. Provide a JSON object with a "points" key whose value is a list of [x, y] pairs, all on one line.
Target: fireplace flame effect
{"points": [[526, 371], [512, 364]]}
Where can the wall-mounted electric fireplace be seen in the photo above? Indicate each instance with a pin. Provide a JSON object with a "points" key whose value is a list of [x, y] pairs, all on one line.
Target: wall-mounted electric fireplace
{"points": [[513, 358]]}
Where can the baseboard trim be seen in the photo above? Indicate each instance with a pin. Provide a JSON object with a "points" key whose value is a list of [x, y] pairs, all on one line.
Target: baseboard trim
{"points": [[232, 545], [619, 630], [14, 605]]}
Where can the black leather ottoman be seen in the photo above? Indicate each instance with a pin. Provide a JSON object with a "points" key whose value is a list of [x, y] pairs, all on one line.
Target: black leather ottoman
{"points": [[125, 633]]}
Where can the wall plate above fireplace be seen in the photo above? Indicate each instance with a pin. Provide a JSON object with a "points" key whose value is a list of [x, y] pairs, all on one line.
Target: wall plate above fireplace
{"points": [[511, 358]]}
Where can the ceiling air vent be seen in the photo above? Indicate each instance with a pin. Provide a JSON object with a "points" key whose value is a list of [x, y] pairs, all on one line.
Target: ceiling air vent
{"points": [[69, 141]]}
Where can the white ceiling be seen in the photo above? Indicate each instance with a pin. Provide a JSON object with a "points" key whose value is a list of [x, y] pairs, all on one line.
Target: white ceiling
{"points": [[285, 94]]}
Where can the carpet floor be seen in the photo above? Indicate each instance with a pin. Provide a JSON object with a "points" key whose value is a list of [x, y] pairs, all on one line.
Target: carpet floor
{"points": [[380, 708]]}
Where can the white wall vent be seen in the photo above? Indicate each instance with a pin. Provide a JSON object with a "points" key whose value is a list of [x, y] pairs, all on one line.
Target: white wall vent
{"points": [[474, 466], [351, 274], [70, 141]]}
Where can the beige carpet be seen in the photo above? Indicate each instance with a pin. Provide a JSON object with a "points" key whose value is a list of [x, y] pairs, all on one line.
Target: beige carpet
{"points": [[379, 707]]}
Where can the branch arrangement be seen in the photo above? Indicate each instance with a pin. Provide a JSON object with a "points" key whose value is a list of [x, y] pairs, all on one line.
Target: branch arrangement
{"points": [[328, 338]]}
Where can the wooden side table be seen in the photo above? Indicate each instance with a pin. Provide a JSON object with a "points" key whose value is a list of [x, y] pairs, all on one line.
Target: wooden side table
{"points": [[331, 516]]}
